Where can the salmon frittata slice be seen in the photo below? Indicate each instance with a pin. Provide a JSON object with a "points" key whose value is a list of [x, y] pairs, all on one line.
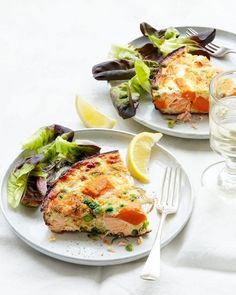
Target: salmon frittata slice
{"points": [[182, 83], [97, 195]]}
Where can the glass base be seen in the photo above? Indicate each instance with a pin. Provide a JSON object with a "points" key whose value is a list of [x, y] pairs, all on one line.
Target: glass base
{"points": [[217, 176]]}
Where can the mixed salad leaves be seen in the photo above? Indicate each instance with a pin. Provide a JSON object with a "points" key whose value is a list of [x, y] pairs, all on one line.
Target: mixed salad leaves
{"points": [[46, 156], [135, 67]]}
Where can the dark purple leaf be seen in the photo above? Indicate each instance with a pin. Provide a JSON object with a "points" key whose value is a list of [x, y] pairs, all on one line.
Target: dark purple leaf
{"points": [[32, 160], [204, 38], [32, 196], [147, 29], [149, 52], [124, 100], [119, 69], [41, 185]]}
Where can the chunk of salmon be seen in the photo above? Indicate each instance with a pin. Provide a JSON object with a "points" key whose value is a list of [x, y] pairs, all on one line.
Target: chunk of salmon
{"points": [[97, 186]]}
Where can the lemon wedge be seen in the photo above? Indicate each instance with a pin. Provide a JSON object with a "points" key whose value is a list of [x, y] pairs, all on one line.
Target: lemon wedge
{"points": [[90, 116], [138, 154]]}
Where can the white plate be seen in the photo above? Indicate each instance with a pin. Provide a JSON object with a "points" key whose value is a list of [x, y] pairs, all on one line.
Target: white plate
{"points": [[148, 116], [77, 247]]}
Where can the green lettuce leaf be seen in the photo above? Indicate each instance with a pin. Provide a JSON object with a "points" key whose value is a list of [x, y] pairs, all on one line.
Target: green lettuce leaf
{"points": [[143, 73], [171, 41], [45, 135], [69, 151], [17, 182], [165, 46], [40, 138], [123, 52], [170, 45], [18, 179], [171, 33]]}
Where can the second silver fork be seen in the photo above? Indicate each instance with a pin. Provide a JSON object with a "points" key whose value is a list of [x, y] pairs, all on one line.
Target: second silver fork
{"points": [[212, 48]]}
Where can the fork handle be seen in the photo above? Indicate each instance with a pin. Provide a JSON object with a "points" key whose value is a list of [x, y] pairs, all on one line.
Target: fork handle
{"points": [[151, 270], [231, 51]]}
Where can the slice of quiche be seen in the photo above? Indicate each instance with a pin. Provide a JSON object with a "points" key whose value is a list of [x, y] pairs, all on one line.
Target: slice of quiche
{"points": [[97, 195], [182, 83]]}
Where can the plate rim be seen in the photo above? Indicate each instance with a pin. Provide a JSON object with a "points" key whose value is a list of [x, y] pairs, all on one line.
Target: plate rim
{"points": [[174, 132], [98, 262]]}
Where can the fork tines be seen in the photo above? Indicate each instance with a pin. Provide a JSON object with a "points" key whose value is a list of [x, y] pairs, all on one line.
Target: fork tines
{"points": [[210, 46], [171, 188]]}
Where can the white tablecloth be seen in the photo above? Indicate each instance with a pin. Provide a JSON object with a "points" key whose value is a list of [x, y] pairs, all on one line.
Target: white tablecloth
{"points": [[47, 49]]}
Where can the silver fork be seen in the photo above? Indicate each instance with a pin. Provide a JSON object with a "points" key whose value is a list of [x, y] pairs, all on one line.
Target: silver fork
{"points": [[213, 49], [167, 204]]}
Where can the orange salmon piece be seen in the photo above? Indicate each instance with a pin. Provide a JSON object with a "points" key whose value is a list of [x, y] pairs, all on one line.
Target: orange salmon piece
{"points": [[201, 104], [97, 186], [131, 216]]}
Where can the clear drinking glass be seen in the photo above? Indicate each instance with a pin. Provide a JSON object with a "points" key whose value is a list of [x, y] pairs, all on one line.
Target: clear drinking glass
{"points": [[222, 120]]}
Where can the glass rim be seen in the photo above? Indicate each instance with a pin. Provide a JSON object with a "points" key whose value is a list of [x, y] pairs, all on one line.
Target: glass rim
{"points": [[213, 80]]}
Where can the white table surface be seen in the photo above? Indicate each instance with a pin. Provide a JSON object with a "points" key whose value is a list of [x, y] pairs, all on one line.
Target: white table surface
{"points": [[47, 49]]}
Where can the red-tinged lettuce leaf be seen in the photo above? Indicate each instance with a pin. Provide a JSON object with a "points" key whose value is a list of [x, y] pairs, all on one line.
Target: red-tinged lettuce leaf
{"points": [[18, 179], [41, 184], [204, 38], [168, 40], [124, 100], [147, 30], [34, 193], [149, 52], [55, 171], [114, 70]]}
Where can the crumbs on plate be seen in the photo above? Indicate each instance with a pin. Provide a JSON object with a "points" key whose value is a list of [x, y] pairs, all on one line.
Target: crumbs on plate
{"points": [[51, 238], [139, 240]]}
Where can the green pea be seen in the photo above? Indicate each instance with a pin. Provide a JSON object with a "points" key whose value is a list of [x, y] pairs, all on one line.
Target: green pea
{"points": [[145, 224], [87, 217], [129, 247], [93, 205], [133, 197], [94, 231], [97, 210], [109, 209], [60, 196], [134, 232], [171, 123], [86, 201]]}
